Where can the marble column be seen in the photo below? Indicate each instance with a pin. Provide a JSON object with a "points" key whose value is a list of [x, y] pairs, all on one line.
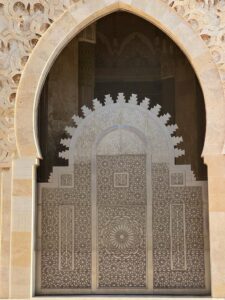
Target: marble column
{"points": [[22, 254]]}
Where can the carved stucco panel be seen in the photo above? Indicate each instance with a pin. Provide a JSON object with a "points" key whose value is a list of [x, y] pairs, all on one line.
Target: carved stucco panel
{"points": [[137, 216], [23, 22]]}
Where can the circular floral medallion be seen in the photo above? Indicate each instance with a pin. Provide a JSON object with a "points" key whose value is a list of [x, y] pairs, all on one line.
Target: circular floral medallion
{"points": [[122, 234]]}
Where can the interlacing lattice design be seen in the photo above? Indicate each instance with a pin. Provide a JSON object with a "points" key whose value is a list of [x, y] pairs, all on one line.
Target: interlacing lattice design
{"points": [[23, 22]]}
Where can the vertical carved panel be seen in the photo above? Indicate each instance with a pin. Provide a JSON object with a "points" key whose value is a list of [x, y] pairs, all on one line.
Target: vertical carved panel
{"points": [[177, 236], [129, 223], [122, 218], [66, 234], [66, 180], [66, 237], [178, 243], [122, 230]]}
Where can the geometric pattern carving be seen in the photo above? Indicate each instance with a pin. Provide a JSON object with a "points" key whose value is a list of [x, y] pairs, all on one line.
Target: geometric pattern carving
{"points": [[66, 180], [22, 24], [176, 178], [130, 219], [122, 221], [66, 237], [78, 144], [122, 232], [177, 237], [134, 166], [121, 179], [66, 234], [178, 262]]}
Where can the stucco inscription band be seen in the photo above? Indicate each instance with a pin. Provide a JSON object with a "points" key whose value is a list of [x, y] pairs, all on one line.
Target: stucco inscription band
{"points": [[122, 217]]}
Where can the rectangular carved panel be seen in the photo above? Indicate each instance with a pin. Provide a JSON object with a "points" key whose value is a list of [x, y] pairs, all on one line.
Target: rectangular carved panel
{"points": [[66, 237], [66, 180], [121, 179], [66, 246], [177, 178], [112, 238], [177, 237], [122, 221], [129, 174], [187, 269]]}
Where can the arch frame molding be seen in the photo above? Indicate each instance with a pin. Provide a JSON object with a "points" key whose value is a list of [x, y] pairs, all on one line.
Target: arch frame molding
{"points": [[74, 19]]}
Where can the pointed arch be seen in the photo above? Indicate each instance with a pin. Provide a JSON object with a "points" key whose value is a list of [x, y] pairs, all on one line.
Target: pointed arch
{"points": [[77, 18]]}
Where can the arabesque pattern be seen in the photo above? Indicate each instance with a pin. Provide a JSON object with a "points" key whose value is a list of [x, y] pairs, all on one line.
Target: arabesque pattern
{"points": [[122, 221], [23, 22]]}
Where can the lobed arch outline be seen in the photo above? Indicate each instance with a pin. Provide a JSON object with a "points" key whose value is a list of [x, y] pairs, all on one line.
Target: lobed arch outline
{"points": [[79, 16]]}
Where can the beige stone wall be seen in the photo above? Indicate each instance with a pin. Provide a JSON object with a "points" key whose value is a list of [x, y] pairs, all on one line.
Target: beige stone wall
{"points": [[198, 29], [6, 176]]}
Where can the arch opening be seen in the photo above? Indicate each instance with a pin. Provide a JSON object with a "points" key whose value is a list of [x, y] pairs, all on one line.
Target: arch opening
{"points": [[147, 76]]}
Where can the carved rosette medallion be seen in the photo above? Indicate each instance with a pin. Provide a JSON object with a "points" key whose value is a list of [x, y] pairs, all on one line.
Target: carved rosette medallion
{"points": [[121, 235]]}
